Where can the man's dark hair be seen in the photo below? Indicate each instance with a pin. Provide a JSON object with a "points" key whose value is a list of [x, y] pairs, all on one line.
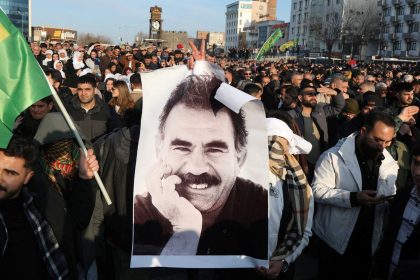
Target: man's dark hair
{"points": [[378, 115], [135, 78], [54, 74], [198, 93], [293, 92], [415, 151], [252, 88], [402, 87], [48, 99], [23, 148], [87, 79]]}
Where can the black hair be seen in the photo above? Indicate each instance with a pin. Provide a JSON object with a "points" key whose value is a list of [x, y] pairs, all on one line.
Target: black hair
{"points": [[23, 148], [415, 150], [87, 79], [135, 78], [378, 115], [198, 93], [293, 92], [402, 87], [252, 88], [55, 75]]}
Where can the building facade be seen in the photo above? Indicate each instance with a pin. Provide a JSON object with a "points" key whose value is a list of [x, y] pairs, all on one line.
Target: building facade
{"points": [[400, 32], [172, 38], [19, 12], [239, 16], [336, 27]]}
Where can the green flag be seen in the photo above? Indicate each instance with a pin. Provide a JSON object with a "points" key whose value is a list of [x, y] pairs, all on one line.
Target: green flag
{"points": [[22, 80], [277, 34]]}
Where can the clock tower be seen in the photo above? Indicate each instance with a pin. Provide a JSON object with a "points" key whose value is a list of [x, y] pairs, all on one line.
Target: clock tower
{"points": [[155, 24]]}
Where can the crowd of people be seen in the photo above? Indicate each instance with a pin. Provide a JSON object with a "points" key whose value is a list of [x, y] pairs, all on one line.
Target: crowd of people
{"points": [[359, 185]]}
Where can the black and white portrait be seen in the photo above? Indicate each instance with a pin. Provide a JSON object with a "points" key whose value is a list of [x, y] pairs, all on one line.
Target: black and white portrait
{"points": [[200, 186]]}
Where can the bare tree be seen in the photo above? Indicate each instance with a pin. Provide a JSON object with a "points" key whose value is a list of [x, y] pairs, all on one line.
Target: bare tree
{"points": [[140, 36], [361, 23], [87, 38], [327, 30]]}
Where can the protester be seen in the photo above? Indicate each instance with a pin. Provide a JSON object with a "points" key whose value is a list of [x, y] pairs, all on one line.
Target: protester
{"points": [[351, 183]]}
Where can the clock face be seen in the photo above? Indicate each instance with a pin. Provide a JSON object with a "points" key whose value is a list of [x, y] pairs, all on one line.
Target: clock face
{"points": [[155, 24]]}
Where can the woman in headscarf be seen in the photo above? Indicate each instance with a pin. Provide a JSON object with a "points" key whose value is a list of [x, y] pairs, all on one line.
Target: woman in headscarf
{"points": [[93, 62], [58, 65], [63, 55]]}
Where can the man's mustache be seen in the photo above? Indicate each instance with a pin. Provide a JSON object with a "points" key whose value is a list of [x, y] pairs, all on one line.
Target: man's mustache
{"points": [[204, 178]]}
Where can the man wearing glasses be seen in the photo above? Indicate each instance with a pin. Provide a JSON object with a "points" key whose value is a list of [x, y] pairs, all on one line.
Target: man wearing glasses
{"points": [[311, 118], [247, 79], [352, 183]]}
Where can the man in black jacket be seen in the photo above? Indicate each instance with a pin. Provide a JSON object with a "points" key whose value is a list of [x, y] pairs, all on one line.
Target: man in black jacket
{"points": [[36, 236], [401, 243], [89, 111]]}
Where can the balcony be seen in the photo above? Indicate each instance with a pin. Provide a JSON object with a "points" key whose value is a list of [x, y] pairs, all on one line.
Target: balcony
{"points": [[411, 2], [394, 19], [392, 37], [409, 17], [396, 2], [407, 36]]}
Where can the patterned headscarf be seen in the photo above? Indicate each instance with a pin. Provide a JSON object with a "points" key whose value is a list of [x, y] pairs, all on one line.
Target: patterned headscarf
{"points": [[60, 157], [287, 169]]}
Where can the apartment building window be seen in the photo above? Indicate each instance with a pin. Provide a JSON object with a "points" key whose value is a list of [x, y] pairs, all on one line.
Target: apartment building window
{"points": [[412, 46], [328, 2], [338, 2], [386, 28], [397, 46], [400, 10], [336, 17], [300, 5], [417, 9], [327, 18], [294, 18], [293, 30], [306, 3], [299, 18], [399, 28], [294, 6], [387, 12], [305, 28]]}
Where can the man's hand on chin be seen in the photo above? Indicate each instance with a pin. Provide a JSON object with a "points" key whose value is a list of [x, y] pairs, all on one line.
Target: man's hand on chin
{"points": [[178, 210]]}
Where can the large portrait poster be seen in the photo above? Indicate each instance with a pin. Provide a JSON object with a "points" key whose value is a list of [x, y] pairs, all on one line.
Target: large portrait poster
{"points": [[200, 190]]}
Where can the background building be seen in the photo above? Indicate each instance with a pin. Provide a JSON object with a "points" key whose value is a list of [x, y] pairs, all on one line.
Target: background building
{"points": [[239, 16], [19, 12], [53, 34], [400, 28], [172, 38], [213, 39], [336, 27]]}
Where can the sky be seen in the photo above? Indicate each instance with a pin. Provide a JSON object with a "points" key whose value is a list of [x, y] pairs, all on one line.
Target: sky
{"points": [[124, 18]]}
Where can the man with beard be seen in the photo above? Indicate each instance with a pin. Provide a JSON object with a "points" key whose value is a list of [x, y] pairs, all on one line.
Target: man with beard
{"points": [[195, 202], [351, 183], [312, 119]]}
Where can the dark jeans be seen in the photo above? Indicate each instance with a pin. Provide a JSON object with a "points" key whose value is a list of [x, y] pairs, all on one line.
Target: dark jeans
{"points": [[351, 266]]}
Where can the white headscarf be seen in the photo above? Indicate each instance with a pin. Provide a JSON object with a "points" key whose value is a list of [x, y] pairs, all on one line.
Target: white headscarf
{"points": [[65, 58], [297, 145], [76, 63], [63, 75]]}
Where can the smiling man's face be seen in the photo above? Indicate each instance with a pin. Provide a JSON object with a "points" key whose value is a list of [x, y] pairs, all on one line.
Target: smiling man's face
{"points": [[199, 146]]}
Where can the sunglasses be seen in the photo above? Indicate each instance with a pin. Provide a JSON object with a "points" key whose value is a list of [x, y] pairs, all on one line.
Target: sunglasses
{"points": [[311, 93], [247, 74]]}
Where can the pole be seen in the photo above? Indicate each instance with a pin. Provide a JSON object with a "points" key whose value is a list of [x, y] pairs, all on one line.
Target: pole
{"points": [[80, 142]]}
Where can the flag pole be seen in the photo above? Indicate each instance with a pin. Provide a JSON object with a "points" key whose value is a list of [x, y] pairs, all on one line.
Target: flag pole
{"points": [[79, 141]]}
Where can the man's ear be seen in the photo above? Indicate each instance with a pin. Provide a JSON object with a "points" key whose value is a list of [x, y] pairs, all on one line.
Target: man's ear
{"points": [[28, 177], [300, 98], [241, 156], [363, 130]]}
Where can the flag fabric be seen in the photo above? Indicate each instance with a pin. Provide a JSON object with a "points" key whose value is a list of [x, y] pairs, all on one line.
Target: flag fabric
{"points": [[277, 34], [22, 80]]}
